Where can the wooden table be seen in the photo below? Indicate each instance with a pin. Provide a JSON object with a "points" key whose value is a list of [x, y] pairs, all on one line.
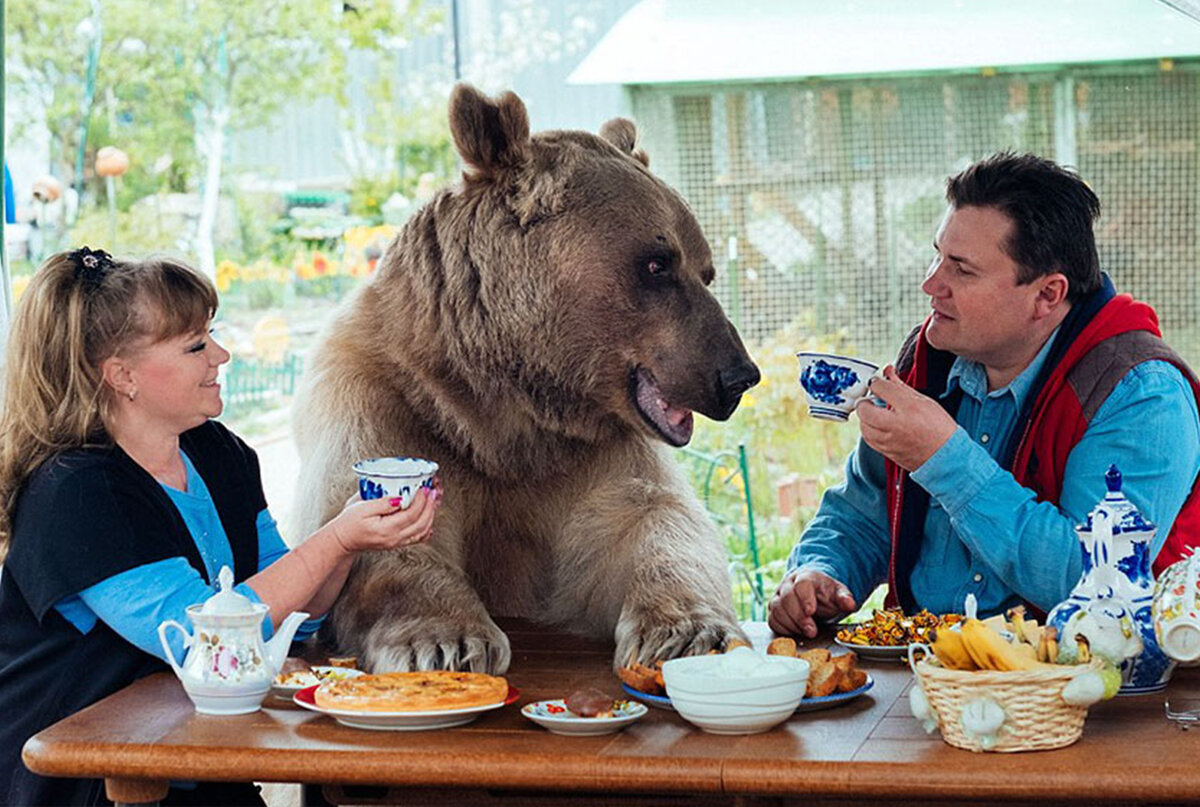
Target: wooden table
{"points": [[869, 749]]}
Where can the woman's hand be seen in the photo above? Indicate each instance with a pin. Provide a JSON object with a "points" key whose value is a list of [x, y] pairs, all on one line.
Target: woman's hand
{"points": [[381, 524]]}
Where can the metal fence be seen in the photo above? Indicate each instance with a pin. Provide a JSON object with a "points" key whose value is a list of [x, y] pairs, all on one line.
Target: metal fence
{"points": [[829, 191], [722, 479], [250, 384]]}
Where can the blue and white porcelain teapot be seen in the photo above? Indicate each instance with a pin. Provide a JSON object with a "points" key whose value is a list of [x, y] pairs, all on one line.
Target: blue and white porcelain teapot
{"points": [[1111, 603]]}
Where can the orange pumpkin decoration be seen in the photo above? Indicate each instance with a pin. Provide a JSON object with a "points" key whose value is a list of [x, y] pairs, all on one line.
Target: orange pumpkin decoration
{"points": [[111, 162]]}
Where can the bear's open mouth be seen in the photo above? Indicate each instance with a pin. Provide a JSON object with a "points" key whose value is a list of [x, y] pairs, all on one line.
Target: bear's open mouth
{"points": [[673, 422]]}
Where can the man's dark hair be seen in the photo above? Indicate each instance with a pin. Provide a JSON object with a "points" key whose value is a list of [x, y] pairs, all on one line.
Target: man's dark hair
{"points": [[1051, 209]]}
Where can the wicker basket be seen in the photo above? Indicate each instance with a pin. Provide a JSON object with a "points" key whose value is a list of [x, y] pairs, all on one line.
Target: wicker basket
{"points": [[1035, 715]]}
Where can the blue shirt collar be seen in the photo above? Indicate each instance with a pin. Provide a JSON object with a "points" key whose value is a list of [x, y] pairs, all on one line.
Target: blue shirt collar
{"points": [[971, 377]]}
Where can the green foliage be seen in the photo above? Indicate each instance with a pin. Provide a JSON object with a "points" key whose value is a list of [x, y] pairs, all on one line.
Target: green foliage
{"points": [[137, 233], [368, 193], [780, 439], [166, 69]]}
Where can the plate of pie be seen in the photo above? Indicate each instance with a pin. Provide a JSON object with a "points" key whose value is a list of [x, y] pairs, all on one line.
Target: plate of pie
{"points": [[411, 701]]}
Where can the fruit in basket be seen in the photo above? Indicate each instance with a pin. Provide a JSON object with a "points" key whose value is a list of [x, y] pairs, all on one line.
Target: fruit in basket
{"points": [[991, 651], [1047, 645], [950, 649], [1026, 630]]}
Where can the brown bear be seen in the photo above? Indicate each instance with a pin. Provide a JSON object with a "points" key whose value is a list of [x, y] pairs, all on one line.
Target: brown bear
{"points": [[543, 331]]}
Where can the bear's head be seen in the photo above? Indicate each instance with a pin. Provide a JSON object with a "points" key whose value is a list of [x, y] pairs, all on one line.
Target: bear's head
{"points": [[585, 275]]}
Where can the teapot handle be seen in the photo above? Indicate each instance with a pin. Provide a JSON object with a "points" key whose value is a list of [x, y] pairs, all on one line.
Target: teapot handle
{"points": [[162, 637]]}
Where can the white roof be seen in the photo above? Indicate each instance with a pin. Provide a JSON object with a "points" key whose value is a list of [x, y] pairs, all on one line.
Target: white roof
{"points": [[685, 41]]}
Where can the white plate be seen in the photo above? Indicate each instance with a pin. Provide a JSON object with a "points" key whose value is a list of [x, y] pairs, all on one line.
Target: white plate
{"points": [[554, 716], [876, 651], [287, 691], [837, 698], [401, 721]]}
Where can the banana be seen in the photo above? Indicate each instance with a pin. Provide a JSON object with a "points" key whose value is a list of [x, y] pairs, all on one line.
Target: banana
{"points": [[990, 651], [1085, 649], [1047, 648], [950, 651], [1025, 630]]}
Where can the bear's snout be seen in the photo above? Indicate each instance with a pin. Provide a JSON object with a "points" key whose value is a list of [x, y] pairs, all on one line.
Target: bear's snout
{"points": [[733, 381]]}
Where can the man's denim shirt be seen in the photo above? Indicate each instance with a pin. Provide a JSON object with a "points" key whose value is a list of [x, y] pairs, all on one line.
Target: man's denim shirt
{"points": [[987, 535]]}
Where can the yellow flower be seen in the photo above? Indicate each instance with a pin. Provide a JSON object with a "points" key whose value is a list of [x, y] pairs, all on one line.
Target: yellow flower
{"points": [[227, 272]]}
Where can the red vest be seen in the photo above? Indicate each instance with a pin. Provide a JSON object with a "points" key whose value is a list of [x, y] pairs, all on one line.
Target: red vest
{"points": [[1123, 333]]}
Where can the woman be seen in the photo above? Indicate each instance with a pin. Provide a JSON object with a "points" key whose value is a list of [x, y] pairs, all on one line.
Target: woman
{"points": [[120, 500]]}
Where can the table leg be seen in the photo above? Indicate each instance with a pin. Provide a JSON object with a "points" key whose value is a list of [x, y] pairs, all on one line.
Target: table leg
{"points": [[135, 791]]}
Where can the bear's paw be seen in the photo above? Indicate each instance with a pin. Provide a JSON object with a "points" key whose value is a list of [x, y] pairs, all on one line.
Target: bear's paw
{"points": [[426, 644]]}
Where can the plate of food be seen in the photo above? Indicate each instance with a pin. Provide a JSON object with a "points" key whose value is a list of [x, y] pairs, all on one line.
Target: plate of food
{"points": [[645, 682], [832, 679], [889, 632], [408, 701], [287, 684], [835, 699], [586, 713], [649, 698]]}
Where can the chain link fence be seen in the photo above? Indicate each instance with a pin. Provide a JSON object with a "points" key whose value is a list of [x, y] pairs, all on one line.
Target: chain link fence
{"points": [[821, 197]]}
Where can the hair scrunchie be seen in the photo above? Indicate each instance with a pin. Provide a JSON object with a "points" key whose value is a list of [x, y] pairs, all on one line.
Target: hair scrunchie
{"points": [[91, 266]]}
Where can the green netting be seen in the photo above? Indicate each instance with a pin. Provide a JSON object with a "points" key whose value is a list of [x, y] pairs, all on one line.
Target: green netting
{"points": [[832, 189]]}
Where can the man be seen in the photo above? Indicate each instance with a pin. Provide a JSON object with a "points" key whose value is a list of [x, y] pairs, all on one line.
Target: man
{"points": [[1027, 380]]}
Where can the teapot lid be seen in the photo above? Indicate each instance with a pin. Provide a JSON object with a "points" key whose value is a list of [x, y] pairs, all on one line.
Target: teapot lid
{"points": [[1123, 514], [227, 600]]}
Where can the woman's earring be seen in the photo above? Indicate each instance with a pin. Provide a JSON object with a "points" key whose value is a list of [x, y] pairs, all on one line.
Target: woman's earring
{"points": [[132, 394]]}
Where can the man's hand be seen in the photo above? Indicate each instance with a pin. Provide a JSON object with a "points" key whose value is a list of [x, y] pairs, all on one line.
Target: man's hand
{"points": [[803, 597], [912, 427]]}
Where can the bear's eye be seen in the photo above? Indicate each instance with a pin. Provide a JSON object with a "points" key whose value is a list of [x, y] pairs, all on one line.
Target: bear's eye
{"points": [[657, 267]]}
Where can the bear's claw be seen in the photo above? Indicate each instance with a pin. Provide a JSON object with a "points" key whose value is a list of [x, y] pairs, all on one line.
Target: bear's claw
{"points": [[482, 649], [648, 643]]}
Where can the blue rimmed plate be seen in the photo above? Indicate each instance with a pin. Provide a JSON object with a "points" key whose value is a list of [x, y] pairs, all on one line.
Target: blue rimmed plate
{"points": [[836, 699], [657, 701]]}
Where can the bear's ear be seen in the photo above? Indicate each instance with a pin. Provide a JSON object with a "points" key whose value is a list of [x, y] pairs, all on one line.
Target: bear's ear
{"points": [[490, 135], [622, 133]]}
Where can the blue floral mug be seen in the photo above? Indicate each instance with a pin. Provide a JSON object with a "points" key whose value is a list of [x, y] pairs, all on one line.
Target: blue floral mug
{"points": [[394, 477], [833, 384]]}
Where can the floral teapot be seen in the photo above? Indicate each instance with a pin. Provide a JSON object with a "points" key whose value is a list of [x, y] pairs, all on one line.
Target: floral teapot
{"points": [[1111, 604], [229, 669]]}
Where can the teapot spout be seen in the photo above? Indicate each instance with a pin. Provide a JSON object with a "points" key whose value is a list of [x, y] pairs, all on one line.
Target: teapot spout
{"points": [[277, 647]]}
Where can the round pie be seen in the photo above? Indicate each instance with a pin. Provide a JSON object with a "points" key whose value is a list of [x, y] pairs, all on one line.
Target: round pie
{"points": [[430, 691]]}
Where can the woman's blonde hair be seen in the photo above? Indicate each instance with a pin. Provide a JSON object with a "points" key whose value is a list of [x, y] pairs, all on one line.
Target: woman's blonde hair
{"points": [[81, 308]]}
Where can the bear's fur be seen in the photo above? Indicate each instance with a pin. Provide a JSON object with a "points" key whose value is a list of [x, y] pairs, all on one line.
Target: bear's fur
{"points": [[539, 331]]}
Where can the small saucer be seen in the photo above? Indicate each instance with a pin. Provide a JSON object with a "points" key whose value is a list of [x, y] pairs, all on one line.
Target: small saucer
{"points": [[319, 674], [554, 716]]}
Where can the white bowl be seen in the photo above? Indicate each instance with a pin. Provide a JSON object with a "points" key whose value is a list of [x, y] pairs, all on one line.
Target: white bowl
{"points": [[394, 477], [833, 384], [739, 692]]}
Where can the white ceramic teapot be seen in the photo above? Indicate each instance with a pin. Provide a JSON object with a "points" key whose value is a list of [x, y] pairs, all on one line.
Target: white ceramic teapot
{"points": [[1111, 604], [229, 668]]}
